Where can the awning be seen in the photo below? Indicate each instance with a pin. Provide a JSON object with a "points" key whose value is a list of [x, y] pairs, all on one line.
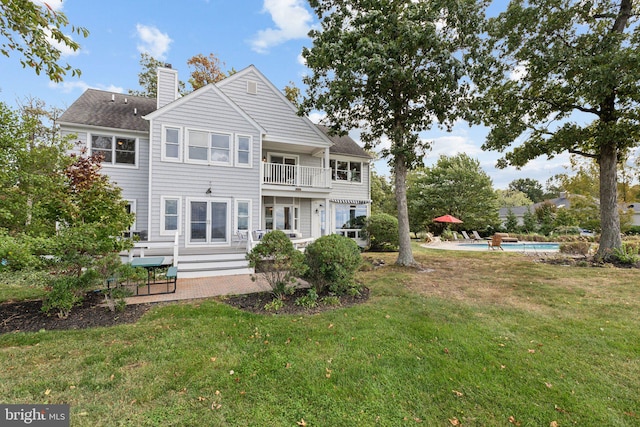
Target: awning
{"points": [[350, 202]]}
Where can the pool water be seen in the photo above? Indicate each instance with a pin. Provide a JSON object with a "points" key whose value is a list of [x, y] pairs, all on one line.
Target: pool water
{"points": [[523, 246]]}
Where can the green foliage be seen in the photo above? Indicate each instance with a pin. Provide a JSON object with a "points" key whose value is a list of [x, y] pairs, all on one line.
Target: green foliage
{"points": [[332, 261], [531, 188], [382, 196], [567, 230], [512, 198], [579, 95], [310, 300], [277, 261], [627, 254], [529, 223], [19, 253], [455, 185], [511, 224], [38, 33], [274, 305], [390, 69], [331, 300], [382, 230], [67, 291]]}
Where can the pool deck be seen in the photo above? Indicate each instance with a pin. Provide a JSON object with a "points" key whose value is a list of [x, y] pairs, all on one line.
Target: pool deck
{"points": [[480, 245]]}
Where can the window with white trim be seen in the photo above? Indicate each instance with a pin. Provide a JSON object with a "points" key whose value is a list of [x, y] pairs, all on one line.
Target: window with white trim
{"points": [[243, 150], [169, 215], [116, 150], [243, 215], [171, 143], [209, 147], [342, 170]]}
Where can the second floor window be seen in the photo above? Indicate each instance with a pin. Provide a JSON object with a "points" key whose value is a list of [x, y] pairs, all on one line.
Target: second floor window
{"points": [[342, 170], [116, 150], [209, 147]]}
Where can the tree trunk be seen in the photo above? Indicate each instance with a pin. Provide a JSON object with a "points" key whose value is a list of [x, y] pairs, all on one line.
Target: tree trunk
{"points": [[405, 254], [609, 217]]}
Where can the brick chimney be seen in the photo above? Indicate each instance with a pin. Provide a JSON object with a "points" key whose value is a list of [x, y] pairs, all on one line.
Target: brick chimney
{"points": [[167, 89]]}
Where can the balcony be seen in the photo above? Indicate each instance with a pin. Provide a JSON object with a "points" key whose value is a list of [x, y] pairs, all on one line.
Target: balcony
{"points": [[295, 176]]}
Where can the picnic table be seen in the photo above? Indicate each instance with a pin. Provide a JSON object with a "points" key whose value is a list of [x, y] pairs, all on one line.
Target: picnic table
{"points": [[152, 264]]}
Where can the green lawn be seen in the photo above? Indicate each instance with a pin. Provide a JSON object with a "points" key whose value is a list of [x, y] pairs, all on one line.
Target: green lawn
{"points": [[474, 339]]}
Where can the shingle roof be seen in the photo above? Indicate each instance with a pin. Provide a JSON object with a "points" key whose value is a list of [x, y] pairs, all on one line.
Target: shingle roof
{"points": [[96, 108], [344, 144]]}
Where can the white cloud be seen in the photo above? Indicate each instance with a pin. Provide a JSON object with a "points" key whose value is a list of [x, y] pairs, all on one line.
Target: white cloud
{"points": [[292, 21], [68, 87], [153, 41]]}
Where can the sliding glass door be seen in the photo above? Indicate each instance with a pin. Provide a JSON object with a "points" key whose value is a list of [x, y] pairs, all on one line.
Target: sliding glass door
{"points": [[209, 221]]}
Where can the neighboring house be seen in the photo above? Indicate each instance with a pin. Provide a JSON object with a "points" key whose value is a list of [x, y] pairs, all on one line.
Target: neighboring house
{"points": [[227, 162], [519, 211]]}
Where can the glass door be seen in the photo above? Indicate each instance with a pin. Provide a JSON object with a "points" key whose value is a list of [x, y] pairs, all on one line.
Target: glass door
{"points": [[209, 222]]}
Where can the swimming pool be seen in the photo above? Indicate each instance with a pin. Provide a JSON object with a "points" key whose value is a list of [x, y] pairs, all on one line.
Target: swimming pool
{"points": [[520, 246]]}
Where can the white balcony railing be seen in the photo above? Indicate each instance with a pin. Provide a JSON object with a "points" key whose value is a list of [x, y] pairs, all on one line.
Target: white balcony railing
{"points": [[296, 176]]}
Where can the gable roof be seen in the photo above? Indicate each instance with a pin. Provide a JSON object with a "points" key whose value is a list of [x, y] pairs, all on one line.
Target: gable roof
{"points": [[344, 144], [201, 92], [110, 110], [273, 110]]}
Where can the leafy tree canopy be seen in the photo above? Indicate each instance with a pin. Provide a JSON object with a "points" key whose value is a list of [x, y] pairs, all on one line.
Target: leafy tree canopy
{"points": [[392, 68], [566, 79], [530, 187], [454, 185], [35, 30], [512, 198]]}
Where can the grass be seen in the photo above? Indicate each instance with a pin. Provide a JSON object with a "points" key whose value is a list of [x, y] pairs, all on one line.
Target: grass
{"points": [[473, 339]]}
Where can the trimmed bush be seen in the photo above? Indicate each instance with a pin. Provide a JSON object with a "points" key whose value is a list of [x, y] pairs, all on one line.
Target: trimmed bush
{"points": [[333, 261], [575, 248], [277, 261], [382, 230]]}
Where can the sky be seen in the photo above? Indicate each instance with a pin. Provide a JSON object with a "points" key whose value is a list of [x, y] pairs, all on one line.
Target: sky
{"points": [[268, 34]]}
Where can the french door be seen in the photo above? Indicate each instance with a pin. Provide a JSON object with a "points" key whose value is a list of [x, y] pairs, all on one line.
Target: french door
{"points": [[209, 221]]}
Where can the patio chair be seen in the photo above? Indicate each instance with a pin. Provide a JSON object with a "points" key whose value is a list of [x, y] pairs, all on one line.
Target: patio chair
{"points": [[495, 242], [476, 235], [466, 236]]}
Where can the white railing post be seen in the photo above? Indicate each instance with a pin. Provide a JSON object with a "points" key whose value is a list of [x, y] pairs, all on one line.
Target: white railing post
{"points": [[175, 250]]}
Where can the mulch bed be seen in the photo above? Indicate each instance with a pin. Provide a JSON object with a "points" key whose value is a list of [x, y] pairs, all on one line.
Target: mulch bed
{"points": [[27, 316], [256, 302]]}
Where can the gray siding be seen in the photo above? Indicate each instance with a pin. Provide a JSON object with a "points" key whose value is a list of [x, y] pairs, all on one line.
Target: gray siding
{"points": [[353, 190], [268, 108], [132, 180], [205, 110]]}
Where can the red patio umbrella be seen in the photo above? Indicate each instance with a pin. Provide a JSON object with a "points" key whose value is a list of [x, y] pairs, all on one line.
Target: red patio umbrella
{"points": [[447, 218]]}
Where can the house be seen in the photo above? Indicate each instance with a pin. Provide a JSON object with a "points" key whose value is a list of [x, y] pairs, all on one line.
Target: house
{"points": [[211, 170], [519, 211]]}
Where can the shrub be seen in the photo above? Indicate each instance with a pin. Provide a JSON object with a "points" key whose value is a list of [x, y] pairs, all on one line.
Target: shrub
{"points": [[382, 230], [67, 292], [310, 300], [332, 263], [18, 253], [627, 254], [570, 230], [575, 248], [274, 305], [277, 261]]}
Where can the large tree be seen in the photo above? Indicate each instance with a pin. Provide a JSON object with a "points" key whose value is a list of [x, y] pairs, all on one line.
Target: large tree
{"points": [[37, 31], [393, 68], [531, 187], [567, 79], [454, 185]]}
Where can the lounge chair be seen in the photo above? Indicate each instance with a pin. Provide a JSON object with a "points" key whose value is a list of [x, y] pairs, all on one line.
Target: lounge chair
{"points": [[466, 236], [495, 242], [476, 235]]}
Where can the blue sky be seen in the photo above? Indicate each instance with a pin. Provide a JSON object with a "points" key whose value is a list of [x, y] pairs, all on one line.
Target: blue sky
{"points": [[269, 34]]}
